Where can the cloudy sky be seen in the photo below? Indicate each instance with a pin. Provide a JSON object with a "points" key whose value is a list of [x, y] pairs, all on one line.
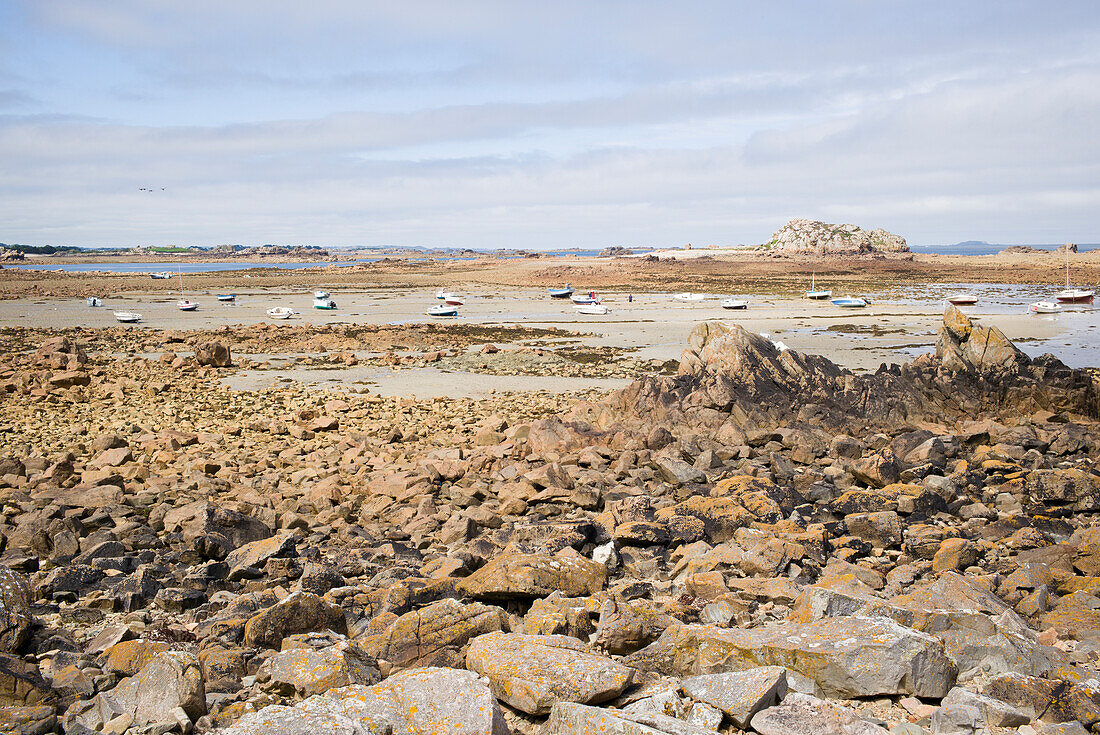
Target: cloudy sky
{"points": [[546, 124]]}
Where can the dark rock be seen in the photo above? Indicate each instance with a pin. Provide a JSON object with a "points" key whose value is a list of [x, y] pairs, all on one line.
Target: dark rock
{"points": [[213, 354]]}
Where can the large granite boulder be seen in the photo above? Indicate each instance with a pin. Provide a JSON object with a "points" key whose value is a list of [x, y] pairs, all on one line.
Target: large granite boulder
{"points": [[962, 345], [21, 682], [846, 657], [568, 718], [247, 561], [214, 531], [305, 671], [534, 575], [802, 714], [213, 354], [435, 634], [301, 612], [314, 716], [170, 680], [977, 629], [429, 700], [739, 694], [15, 613], [533, 672]]}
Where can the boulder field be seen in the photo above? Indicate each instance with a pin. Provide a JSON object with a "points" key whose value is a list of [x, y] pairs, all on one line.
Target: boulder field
{"points": [[763, 542]]}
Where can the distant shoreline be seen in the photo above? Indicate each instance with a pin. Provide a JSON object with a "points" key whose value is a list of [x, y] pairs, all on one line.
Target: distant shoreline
{"points": [[250, 258], [711, 271]]}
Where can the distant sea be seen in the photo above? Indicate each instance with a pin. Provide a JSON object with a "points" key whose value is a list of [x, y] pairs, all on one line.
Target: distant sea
{"points": [[974, 247], [187, 266], [172, 266]]}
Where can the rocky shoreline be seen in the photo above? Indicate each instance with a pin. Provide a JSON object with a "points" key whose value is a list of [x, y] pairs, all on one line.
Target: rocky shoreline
{"points": [[763, 541]]}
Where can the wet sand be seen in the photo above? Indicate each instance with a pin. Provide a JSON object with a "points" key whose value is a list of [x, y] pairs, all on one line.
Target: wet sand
{"points": [[753, 272], [650, 326]]}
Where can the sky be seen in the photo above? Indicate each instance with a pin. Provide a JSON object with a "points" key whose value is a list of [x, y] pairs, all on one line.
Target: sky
{"points": [[563, 124]]}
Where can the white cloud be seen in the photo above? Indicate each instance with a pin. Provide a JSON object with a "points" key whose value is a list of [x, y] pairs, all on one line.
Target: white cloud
{"points": [[536, 124]]}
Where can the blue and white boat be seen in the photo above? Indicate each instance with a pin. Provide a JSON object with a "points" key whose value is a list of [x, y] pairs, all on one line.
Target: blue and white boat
{"points": [[443, 310], [850, 302], [227, 297], [561, 293]]}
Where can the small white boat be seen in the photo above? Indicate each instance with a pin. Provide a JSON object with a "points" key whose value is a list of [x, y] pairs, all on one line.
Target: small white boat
{"points": [[320, 294], [128, 317], [443, 310], [93, 301], [445, 295], [735, 304], [594, 309], [1044, 307], [227, 297], [962, 299], [561, 293], [850, 302], [688, 296], [327, 304], [813, 293], [585, 298], [280, 312], [161, 276]]}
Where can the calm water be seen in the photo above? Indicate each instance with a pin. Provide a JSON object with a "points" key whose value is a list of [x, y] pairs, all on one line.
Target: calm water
{"points": [[173, 267], [208, 267], [1078, 345], [985, 248]]}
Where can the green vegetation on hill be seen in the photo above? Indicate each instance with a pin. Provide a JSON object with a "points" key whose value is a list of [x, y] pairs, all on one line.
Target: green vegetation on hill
{"points": [[42, 249]]}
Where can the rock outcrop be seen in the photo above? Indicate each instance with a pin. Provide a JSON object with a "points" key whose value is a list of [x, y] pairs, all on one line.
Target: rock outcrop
{"points": [[734, 381], [811, 236]]}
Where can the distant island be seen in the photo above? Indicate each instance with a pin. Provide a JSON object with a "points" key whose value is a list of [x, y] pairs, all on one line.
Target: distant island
{"points": [[981, 247], [813, 236]]}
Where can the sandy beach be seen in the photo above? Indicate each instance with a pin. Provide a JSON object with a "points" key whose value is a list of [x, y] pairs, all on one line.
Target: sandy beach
{"points": [[695, 270], [645, 325]]}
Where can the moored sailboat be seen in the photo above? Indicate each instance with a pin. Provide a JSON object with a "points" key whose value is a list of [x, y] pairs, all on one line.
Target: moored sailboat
{"points": [[185, 304], [813, 293], [1071, 295]]}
